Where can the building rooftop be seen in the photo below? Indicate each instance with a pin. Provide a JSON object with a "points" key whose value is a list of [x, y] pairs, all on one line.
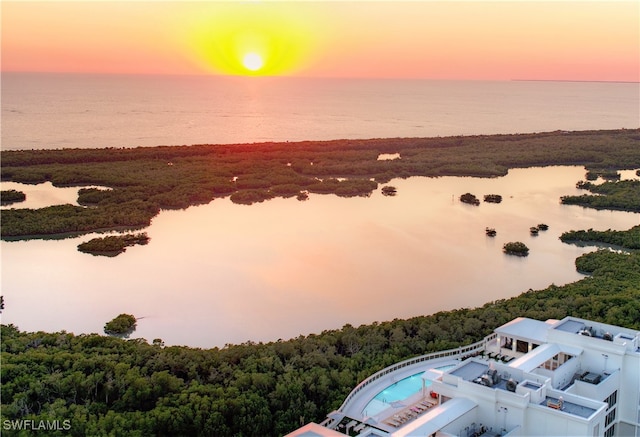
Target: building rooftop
{"points": [[522, 327], [470, 370], [539, 355], [589, 328], [573, 326], [568, 407]]}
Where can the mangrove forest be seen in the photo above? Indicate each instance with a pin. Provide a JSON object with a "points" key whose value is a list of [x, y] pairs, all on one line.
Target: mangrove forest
{"points": [[146, 180]]}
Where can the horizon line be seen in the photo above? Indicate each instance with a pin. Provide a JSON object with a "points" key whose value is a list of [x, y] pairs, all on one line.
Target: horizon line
{"points": [[318, 77]]}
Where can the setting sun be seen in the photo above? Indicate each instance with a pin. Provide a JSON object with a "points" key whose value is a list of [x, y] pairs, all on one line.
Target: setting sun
{"points": [[252, 38], [252, 62]]}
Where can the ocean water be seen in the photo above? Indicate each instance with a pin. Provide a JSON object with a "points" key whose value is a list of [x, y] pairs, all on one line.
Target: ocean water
{"points": [[43, 111]]}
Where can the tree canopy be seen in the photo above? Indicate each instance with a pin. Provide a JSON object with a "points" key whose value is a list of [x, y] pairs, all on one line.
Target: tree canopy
{"points": [[122, 325]]}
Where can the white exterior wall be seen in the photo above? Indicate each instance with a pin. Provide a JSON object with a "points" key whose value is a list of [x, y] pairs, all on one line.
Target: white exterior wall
{"points": [[563, 374], [626, 430], [539, 421], [629, 393], [458, 425], [600, 391]]}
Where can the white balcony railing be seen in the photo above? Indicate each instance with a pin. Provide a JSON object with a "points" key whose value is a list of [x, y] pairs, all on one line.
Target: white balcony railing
{"points": [[459, 352]]}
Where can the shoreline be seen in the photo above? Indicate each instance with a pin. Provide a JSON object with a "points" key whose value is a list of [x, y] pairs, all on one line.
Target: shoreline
{"points": [[320, 142]]}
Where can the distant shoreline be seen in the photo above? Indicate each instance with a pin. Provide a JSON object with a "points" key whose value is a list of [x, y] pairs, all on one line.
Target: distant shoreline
{"points": [[574, 81]]}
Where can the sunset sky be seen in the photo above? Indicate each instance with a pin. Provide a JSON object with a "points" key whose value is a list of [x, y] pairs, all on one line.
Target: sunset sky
{"points": [[501, 40]]}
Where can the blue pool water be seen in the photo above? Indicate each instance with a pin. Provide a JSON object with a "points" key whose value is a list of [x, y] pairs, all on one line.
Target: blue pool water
{"points": [[402, 389], [398, 391]]}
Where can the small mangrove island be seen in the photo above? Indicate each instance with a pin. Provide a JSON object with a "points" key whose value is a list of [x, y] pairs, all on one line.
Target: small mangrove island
{"points": [[515, 248], [112, 245], [493, 198], [7, 197], [121, 326], [470, 199], [389, 190]]}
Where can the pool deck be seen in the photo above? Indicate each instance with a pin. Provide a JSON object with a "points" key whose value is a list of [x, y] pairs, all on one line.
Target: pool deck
{"points": [[355, 408]]}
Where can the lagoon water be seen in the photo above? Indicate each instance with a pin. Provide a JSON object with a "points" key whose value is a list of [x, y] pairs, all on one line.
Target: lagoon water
{"points": [[225, 273]]}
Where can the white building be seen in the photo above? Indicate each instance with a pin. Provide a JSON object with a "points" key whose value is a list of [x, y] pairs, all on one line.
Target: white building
{"points": [[569, 377]]}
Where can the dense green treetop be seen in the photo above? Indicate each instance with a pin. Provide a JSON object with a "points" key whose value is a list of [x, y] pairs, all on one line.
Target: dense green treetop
{"points": [[516, 248], [626, 239], [112, 245], [620, 195], [148, 179], [124, 324], [11, 196]]}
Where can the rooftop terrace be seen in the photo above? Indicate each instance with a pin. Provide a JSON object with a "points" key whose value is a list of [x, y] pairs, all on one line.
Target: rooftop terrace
{"points": [[470, 370], [568, 407]]}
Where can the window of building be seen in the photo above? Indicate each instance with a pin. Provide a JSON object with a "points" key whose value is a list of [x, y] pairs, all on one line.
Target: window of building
{"points": [[612, 399], [522, 346], [610, 432], [611, 417]]}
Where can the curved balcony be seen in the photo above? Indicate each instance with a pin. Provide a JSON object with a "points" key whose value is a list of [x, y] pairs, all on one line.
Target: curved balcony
{"points": [[366, 390]]}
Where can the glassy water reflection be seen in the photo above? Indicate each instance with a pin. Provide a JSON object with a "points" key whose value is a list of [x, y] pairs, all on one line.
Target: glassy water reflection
{"points": [[225, 273]]}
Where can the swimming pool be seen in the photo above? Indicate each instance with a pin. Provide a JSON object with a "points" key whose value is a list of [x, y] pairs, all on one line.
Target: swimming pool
{"points": [[398, 391]]}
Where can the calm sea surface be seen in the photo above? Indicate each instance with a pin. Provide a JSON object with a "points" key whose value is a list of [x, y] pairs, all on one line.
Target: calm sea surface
{"points": [[225, 273], [41, 111]]}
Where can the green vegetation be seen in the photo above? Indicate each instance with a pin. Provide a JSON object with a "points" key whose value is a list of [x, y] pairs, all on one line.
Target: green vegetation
{"points": [[8, 197], [248, 197], [628, 239], [112, 245], [389, 190], [69, 219], [515, 248], [121, 326], [470, 199], [620, 195], [604, 173], [146, 180], [109, 386], [493, 198]]}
